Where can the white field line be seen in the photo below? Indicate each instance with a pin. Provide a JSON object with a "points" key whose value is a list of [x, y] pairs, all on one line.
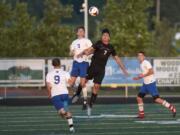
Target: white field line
{"points": [[104, 123], [105, 116], [164, 122], [13, 117], [59, 121], [75, 112], [115, 125], [30, 110]]}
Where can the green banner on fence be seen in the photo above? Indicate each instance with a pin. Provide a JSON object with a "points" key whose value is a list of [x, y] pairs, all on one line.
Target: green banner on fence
{"points": [[22, 72]]}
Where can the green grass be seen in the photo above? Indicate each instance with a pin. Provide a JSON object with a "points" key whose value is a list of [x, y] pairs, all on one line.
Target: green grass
{"points": [[43, 120]]}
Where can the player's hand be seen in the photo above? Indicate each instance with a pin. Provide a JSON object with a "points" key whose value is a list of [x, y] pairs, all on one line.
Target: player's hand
{"points": [[140, 75], [49, 96], [125, 73], [136, 78]]}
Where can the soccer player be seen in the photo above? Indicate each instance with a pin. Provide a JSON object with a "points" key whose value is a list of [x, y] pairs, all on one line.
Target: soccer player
{"points": [[56, 82], [101, 50], [80, 64], [149, 86]]}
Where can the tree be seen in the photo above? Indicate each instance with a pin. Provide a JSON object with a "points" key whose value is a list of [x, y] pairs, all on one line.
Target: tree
{"points": [[170, 10], [163, 38], [22, 35], [16, 31], [127, 21], [51, 35]]}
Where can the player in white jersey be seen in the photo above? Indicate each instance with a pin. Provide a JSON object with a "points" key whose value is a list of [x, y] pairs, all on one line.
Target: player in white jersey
{"points": [[149, 86], [57, 81], [80, 64]]}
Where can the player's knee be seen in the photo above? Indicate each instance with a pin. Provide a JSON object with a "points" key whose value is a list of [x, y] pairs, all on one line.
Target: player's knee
{"points": [[82, 84], [96, 86], [155, 98], [140, 96], [139, 99], [62, 113], [68, 115]]}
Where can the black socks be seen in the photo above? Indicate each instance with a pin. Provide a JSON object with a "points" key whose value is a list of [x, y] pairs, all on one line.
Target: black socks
{"points": [[93, 99]]}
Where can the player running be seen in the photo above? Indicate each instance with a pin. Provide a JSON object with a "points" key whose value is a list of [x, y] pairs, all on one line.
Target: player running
{"points": [[102, 50], [149, 86], [56, 82], [80, 64]]}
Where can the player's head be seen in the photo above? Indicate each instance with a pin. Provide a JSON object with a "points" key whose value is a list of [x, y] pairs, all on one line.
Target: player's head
{"points": [[141, 56], [80, 32], [105, 36], [56, 63]]}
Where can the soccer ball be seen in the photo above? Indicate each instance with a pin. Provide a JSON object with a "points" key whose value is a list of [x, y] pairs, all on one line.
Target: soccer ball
{"points": [[93, 11]]}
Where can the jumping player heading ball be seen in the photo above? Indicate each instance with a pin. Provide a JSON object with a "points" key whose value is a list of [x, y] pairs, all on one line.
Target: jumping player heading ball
{"points": [[101, 51]]}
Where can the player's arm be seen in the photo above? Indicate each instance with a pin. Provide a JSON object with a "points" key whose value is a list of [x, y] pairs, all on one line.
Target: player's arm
{"points": [[48, 86], [87, 52], [121, 65], [71, 53], [149, 72], [140, 76], [71, 48], [69, 80]]}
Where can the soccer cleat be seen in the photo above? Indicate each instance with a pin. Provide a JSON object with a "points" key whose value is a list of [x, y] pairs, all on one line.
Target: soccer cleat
{"points": [[84, 107], [75, 98], [72, 130], [141, 115], [173, 110]]}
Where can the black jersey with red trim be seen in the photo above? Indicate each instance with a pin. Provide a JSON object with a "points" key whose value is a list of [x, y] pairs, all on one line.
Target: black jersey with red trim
{"points": [[101, 54]]}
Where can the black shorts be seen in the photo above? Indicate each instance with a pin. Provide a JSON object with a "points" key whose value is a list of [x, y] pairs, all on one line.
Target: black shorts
{"points": [[97, 74]]}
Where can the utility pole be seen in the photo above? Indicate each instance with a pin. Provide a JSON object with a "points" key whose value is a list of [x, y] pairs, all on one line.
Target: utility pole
{"points": [[157, 10], [85, 10]]}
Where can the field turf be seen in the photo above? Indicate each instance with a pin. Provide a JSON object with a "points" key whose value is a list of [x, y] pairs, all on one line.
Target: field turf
{"points": [[105, 120]]}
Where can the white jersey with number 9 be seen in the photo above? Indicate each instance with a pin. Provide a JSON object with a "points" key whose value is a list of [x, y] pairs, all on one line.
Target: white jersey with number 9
{"points": [[59, 81]]}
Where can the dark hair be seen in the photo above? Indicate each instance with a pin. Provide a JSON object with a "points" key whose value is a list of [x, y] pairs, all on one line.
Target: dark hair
{"points": [[80, 27], [142, 52], [105, 31], [56, 62]]}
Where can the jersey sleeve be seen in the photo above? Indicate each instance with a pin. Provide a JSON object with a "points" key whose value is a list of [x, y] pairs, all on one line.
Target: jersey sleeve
{"points": [[89, 43], [113, 52], [72, 46], [148, 65]]}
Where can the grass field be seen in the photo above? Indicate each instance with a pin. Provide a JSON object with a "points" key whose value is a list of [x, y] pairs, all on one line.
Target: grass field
{"points": [[105, 120]]}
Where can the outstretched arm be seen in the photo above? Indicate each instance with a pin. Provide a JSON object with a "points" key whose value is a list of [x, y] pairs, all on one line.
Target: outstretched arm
{"points": [[121, 65], [140, 76]]}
